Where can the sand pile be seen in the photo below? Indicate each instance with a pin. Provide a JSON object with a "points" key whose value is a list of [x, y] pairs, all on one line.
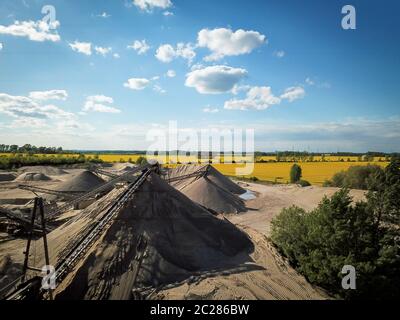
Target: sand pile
{"points": [[208, 194], [213, 174], [33, 176], [210, 189], [123, 166], [82, 182], [182, 238], [6, 176], [47, 170]]}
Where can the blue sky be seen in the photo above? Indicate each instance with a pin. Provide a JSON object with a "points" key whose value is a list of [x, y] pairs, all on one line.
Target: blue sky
{"points": [[106, 72]]}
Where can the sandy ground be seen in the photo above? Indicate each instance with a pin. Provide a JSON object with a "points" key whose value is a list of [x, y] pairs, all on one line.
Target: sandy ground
{"points": [[272, 199], [273, 279]]}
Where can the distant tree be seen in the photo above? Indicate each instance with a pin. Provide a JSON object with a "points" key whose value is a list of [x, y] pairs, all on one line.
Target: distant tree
{"points": [[356, 177], [295, 173], [141, 161]]}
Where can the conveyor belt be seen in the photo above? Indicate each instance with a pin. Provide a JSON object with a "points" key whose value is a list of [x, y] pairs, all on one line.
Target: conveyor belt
{"points": [[103, 187], [104, 173], [25, 290], [25, 222], [65, 194], [198, 173], [65, 265]]}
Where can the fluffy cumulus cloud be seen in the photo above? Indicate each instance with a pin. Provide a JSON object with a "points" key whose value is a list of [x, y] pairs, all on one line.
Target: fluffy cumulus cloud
{"points": [[33, 30], [103, 50], [166, 52], [1, 46], [140, 46], [137, 83], [82, 47], [224, 42], [261, 98], [100, 103], [257, 98], [49, 95], [22, 107], [215, 79], [293, 93], [171, 74], [149, 5]]}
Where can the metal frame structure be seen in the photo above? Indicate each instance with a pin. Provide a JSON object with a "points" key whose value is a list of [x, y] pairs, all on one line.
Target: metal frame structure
{"points": [[38, 209], [65, 265]]}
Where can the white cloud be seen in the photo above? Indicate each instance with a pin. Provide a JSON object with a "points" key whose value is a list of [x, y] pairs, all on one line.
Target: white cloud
{"points": [[49, 95], [166, 52], [27, 123], [82, 47], [171, 74], [215, 79], [141, 47], [149, 5], [103, 50], [1, 46], [257, 98], [100, 103], [137, 83], [210, 110], [33, 30], [158, 89], [104, 15], [197, 66], [25, 107], [116, 55], [239, 88], [279, 53], [168, 13], [293, 93], [224, 42]]}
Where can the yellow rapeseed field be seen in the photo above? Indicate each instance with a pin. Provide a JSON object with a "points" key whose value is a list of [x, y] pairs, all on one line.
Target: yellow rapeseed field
{"points": [[314, 172]]}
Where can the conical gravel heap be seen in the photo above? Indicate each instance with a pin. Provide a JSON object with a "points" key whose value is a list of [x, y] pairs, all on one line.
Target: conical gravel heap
{"points": [[209, 188], [182, 238]]}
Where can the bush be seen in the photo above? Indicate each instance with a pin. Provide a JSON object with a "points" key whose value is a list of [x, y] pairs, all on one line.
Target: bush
{"points": [[337, 233], [304, 183], [141, 161], [295, 173], [356, 177]]}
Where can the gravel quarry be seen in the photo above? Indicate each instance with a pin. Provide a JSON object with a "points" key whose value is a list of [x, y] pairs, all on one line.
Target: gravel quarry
{"points": [[184, 234]]}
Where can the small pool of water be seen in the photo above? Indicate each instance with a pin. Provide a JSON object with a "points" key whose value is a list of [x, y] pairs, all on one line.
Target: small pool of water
{"points": [[249, 195]]}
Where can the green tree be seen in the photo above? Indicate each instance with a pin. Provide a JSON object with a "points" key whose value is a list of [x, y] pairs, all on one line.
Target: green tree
{"points": [[339, 232], [295, 173], [140, 161]]}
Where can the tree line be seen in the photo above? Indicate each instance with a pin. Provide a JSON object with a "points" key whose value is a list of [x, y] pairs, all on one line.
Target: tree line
{"points": [[17, 160], [27, 148]]}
